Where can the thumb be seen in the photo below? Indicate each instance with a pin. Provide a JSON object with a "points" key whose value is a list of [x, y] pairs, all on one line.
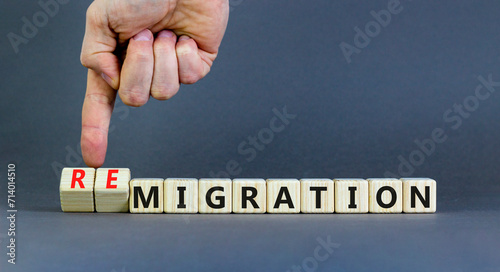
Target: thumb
{"points": [[99, 45]]}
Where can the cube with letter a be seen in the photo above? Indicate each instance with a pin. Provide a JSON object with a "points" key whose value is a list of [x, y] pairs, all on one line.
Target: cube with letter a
{"points": [[283, 196], [112, 189], [77, 189]]}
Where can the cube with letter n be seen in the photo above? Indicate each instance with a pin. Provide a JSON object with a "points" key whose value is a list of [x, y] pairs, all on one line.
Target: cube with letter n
{"points": [[419, 195]]}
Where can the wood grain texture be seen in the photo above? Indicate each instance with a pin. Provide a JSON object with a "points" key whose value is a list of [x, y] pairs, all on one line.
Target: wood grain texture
{"points": [[181, 195], [412, 202], [243, 189], [283, 190], [385, 192], [351, 195], [80, 198], [151, 190], [310, 189], [111, 189], [215, 195]]}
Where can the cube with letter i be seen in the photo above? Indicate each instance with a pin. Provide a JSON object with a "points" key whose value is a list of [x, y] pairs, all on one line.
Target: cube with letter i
{"points": [[283, 196], [181, 195], [214, 195], [146, 195], [419, 195], [316, 196], [385, 195], [351, 195], [249, 195], [77, 189], [112, 189]]}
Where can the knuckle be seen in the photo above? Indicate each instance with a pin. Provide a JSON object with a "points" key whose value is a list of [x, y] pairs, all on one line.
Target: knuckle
{"points": [[164, 92], [134, 97], [192, 77], [93, 14], [139, 56], [84, 60], [184, 49], [100, 98], [163, 47]]}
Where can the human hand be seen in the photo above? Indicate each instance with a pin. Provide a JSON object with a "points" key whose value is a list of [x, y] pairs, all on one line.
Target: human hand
{"points": [[153, 66]]}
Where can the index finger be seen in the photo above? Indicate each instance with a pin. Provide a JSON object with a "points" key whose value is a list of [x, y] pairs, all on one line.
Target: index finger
{"points": [[96, 115]]}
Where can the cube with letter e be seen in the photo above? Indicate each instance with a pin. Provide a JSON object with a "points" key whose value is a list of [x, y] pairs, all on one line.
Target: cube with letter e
{"points": [[112, 189]]}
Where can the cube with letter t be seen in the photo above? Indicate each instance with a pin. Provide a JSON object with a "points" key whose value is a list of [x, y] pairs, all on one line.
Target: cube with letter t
{"points": [[317, 196]]}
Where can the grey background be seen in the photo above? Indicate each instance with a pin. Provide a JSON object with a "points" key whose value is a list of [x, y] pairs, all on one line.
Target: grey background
{"points": [[353, 120]]}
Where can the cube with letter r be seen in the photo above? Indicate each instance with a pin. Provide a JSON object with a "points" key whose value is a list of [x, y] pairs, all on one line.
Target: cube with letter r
{"points": [[77, 189]]}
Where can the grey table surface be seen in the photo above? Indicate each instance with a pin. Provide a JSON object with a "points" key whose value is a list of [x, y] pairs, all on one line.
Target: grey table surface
{"points": [[353, 119]]}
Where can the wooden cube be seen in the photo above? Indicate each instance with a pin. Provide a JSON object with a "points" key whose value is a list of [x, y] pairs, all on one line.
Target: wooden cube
{"points": [[214, 195], [351, 196], [317, 196], [419, 195], [386, 195], [112, 189], [181, 195], [283, 196], [76, 189], [146, 195], [249, 196]]}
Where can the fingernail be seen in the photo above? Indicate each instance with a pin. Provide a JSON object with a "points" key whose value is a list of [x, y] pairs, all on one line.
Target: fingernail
{"points": [[107, 79], [144, 35], [166, 33], [184, 37]]}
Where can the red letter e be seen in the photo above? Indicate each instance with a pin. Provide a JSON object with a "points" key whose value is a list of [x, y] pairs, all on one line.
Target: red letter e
{"points": [[111, 178]]}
